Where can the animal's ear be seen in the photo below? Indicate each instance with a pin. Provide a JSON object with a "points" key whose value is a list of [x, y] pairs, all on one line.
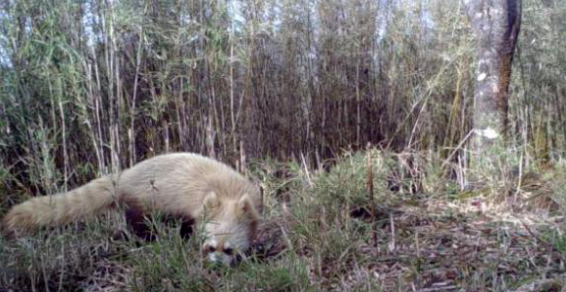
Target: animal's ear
{"points": [[211, 201], [246, 208]]}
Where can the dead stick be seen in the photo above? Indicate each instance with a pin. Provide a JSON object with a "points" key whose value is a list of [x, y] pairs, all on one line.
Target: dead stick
{"points": [[546, 244], [370, 191]]}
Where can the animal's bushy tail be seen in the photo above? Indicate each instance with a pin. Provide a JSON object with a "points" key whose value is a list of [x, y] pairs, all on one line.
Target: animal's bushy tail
{"points": [[62, 208]]}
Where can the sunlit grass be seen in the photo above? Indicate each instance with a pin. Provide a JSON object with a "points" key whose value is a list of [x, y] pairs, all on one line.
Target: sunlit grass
{"points": [[320, 235]]}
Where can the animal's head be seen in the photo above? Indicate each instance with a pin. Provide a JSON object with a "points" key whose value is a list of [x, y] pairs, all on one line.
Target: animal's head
{"points": [[229, 226]]}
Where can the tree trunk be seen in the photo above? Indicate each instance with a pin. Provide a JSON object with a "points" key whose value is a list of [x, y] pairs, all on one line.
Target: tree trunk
{"points": [[496, 25]]}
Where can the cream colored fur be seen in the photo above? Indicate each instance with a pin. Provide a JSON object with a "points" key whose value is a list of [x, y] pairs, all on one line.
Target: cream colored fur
{"points": [[59, 209], [174, 184]]}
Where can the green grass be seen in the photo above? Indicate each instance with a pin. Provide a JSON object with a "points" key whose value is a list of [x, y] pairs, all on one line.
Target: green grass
{"points": [[320, 233]]}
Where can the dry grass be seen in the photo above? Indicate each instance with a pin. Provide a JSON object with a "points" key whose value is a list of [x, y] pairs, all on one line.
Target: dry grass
{"points": [[319, 234]]}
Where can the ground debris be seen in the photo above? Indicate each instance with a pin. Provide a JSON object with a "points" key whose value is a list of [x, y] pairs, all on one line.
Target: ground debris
{"points": [[441, 251]]}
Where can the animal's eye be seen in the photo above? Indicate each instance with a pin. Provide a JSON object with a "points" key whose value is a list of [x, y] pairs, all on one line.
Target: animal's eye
{"points": [[229, 251], [209, 249]]}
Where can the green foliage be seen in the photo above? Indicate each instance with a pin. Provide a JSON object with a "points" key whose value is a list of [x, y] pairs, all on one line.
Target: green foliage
{"points": [[313, 237], [111, 83], [91, 87]]}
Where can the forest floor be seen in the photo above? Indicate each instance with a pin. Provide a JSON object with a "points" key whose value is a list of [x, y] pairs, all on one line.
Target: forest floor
{"points": [[321, 231]]}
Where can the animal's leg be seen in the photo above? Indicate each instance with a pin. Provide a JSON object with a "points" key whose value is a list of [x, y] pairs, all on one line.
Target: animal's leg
{"points": [[135, 217]]}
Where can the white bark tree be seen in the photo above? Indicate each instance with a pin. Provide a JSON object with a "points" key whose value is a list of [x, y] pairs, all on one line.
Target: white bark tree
{"points": [[496, 24]]}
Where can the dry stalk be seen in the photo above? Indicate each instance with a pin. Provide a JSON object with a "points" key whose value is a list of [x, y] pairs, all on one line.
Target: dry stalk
{"points": [[546, 244], [370, 191]]}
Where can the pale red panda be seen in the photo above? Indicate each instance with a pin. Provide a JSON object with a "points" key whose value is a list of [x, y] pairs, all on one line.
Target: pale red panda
{"points": [[184, 185]]}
